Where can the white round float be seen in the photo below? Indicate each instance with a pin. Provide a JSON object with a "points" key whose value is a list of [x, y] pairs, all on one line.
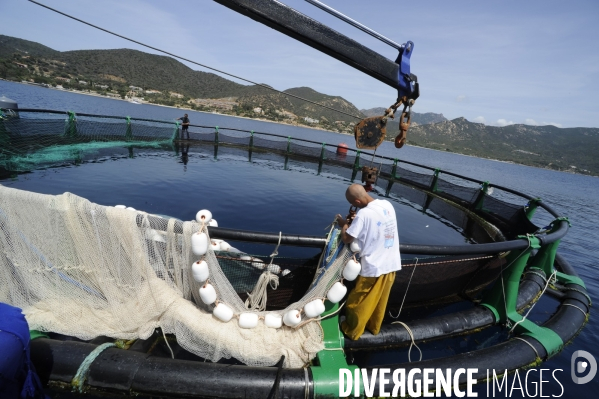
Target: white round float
{"points": [[248, 320], [273, 320], [354, 246], [351, 270], [337, 292], [223, 312], [214, 245], [204, 216], [199, 243], [276, 269], [199, 271], [208, 294], [314, 308], [292, 318], [225, 246]]}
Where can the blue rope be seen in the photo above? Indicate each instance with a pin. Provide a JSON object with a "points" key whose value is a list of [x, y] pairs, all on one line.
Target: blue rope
{"points": [[83, 371]]}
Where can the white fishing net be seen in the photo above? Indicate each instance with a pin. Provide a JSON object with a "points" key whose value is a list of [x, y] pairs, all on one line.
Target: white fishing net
{"points": [[86, 270]]}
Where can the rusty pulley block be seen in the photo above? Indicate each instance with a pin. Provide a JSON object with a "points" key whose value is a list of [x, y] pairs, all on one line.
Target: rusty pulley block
{"points": [[369, 176], [370, 132], [404, 120]]}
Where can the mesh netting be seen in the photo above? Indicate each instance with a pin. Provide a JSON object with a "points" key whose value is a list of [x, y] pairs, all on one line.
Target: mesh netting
{"points": [[458, 193], [444, 279], [27, 143], [414, 178], [85, 270], [410, 193], [229, 138], [244, 275], [510, 218]]}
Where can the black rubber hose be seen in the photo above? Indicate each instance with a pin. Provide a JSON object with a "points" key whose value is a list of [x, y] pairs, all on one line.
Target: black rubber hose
{"points": [[267, 238], [129, 371], [319, 242], [395, 335], [510, 355], [515, 354]]}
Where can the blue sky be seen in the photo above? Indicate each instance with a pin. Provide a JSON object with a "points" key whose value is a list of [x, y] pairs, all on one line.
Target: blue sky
{"points": [[497, 62]]}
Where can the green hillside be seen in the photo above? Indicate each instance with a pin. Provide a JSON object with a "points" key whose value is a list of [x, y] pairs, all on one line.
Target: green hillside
{"points": [[163, 80], [150, 71], [10, 45], [572, 149]]}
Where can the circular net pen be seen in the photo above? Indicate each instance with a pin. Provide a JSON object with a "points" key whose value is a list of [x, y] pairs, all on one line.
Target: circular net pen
{"points": [[510, 262], [492, 217]]}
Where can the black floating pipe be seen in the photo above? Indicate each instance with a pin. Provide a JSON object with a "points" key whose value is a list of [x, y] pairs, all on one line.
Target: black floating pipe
{"points": [[243, 235], [463, 322], [267, 238], [566, 322], [319, 242], [510, 355], [129, 371]]}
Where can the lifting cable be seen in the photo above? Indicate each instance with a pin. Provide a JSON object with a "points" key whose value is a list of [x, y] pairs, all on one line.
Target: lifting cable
{"points": [[196, 63]]}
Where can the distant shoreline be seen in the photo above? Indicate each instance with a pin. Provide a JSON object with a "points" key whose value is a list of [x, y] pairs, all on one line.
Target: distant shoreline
{"points": [[170, 106], [297, 125]]}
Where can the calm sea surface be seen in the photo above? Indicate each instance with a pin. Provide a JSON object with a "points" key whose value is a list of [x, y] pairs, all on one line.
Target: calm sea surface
{"points": [[235, 203]]}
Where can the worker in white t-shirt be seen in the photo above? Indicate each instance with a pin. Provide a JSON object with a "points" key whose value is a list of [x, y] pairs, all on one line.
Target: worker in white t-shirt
{"points": [[375, 229]]}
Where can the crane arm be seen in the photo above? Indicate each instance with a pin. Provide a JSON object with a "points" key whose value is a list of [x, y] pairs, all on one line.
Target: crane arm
{"points": [[319, 36]]}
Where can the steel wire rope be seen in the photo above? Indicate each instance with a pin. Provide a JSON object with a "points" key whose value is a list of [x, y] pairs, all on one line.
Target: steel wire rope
{"points": [[194, 62]]}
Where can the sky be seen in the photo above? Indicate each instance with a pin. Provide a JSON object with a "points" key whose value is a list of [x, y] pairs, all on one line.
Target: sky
{"points": [[495, 62]]}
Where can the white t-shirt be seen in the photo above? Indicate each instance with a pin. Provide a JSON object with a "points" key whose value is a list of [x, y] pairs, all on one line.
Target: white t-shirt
{"points": [[375, 228]]}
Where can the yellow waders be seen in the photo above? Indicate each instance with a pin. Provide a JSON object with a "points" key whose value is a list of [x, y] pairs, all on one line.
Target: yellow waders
{"points": [[366, 305]]}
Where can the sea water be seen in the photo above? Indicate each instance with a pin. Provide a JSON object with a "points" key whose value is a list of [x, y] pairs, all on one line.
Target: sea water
{"points": [[257, 204]]}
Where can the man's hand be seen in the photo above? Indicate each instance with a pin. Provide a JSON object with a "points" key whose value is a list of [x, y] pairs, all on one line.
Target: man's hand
{"points": [[342, 223]]}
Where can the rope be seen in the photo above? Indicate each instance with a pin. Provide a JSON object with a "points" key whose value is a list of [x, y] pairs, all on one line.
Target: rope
{"points": [[529, 344], [541, 275], [196, 63], [413, 343], [574, 306], [256, 300], [503, 286], [320, 318], [406, 293], [580, 292], [334, 313], [83, 371], [306, 384], [166, 341], [448, 261], [533, 305], [276, 251]]}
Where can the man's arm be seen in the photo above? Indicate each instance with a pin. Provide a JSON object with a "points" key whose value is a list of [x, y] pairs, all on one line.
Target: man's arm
{"points": [[341, 222]]}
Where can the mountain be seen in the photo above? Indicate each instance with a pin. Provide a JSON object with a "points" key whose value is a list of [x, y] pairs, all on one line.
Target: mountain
{"points": [[571, 149], [417, 118], [163, 80], [10, 45], [145, 70], [269, 100]]}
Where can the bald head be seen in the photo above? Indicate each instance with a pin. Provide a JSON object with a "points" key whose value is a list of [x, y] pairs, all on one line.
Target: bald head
{"points": [[357, 195]]}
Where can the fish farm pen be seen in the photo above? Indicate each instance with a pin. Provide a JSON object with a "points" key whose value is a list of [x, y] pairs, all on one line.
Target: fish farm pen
{"points": [[510, 264]]}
